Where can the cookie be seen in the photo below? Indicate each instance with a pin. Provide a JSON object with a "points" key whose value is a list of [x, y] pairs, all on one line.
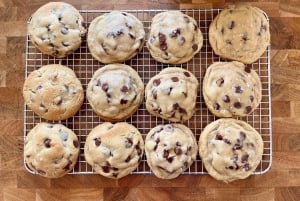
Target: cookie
{"points": [[115, 92], [115, 37], [53, 92], [174, 37], [170, 149], [56, 29], [114, 150], [172, 94], [51, 150], [240, 32], [230, 149], [231, 89]]}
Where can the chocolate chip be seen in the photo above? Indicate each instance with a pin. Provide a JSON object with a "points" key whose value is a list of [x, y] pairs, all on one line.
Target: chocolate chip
{"points": [[175, 33], [124, 14], [231, 167], [237, 147], [97, 141], [105, 87], [185, 94], [227, 141], [178, 144], [128, 26], [181, 40], [106, 169], [219, 137], [75, 143], [170, 159], [131, 35], [128, 142], [123, 101], [115, 174], [237, 105], [58, 100], [169, 128], [226, 99], [154, 93], [248, 109], [228, 42], [195, 47], [65, 44], [187, 74], [170, 90], [47, 142], [42, 172], [186, 19], [231, 25], [164, 47], [156, 82], [175, 79], [64, 30], [242, 136], [128, 159], [177, 150], [238, 89], [195, 27], [59, 18], [104, 47], [162, 41], [216, 106], [222, 30], [220, 82], [138, 149], [124, 89], [247, 167], [48, 27], [251, 98], [248, 69], [155, 147], [166, 154], [245, 158], [185, 165], [245, 38], [98, 83]]}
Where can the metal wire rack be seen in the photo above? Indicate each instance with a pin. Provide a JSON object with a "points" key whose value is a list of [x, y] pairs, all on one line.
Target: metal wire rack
{"points": [[84, 66]]}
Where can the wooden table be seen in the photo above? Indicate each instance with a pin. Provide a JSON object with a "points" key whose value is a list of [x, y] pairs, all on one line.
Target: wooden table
{"points": [[282, 182]]}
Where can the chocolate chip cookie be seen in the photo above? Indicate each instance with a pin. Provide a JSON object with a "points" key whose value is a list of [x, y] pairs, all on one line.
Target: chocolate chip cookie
{"points": [[172, 94], [231, 89], [115, 92], [53, 92], [240, 32], [51, 150], [170, 150], [56, 29], [174, 37], [115, 37], [230, 149], [114, 150]]}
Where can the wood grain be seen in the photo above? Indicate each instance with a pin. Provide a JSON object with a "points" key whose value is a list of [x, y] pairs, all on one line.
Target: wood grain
{"points": [[281, 182]]}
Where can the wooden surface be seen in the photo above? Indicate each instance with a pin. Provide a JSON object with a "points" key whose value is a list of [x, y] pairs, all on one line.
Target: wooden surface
{"points": [[282, 182]]}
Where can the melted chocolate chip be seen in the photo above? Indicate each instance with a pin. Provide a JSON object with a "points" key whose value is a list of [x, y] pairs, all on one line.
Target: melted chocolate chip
{"points": [[115, 174], [106, 169], [247, 167], [175, 33], [222, 30], [244, 38], [226, 99], [178, 150], [97, 141], [220, 82], [237, 147], [231, 167], [170, 159], [248, 109], [47, 142], [162, 41], [189, 148], [175, 79], [155, 147], [156, 82], [187, 74], [237, 105], [195, 47], [248, 69], [238, 89], [227, 141], [245, 158], [216, 106], [123, 101], [166, 154], [231, 25], [154, 93], [228, 42], [138, 149], [251, 98], [128, 159], [128, 142], [124, 89], [75, 143], [219, 137], [105, 87]]}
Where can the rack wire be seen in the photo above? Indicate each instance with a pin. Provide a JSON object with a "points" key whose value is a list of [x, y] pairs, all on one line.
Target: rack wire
{"points": [[84, 66]]}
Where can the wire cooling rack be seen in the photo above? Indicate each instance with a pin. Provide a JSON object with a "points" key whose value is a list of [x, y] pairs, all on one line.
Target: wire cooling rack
{"points": [[84, 66]]}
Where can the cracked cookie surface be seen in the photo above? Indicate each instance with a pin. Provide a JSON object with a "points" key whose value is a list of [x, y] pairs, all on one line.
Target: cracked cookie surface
{"points": [[172, 94], [114, 150], [115, 37], [170, 150], [53, 92], [240, 32], [174, 37], [56, 29], [51, 150], [111, 100], [230, 149], [231, 89]]}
